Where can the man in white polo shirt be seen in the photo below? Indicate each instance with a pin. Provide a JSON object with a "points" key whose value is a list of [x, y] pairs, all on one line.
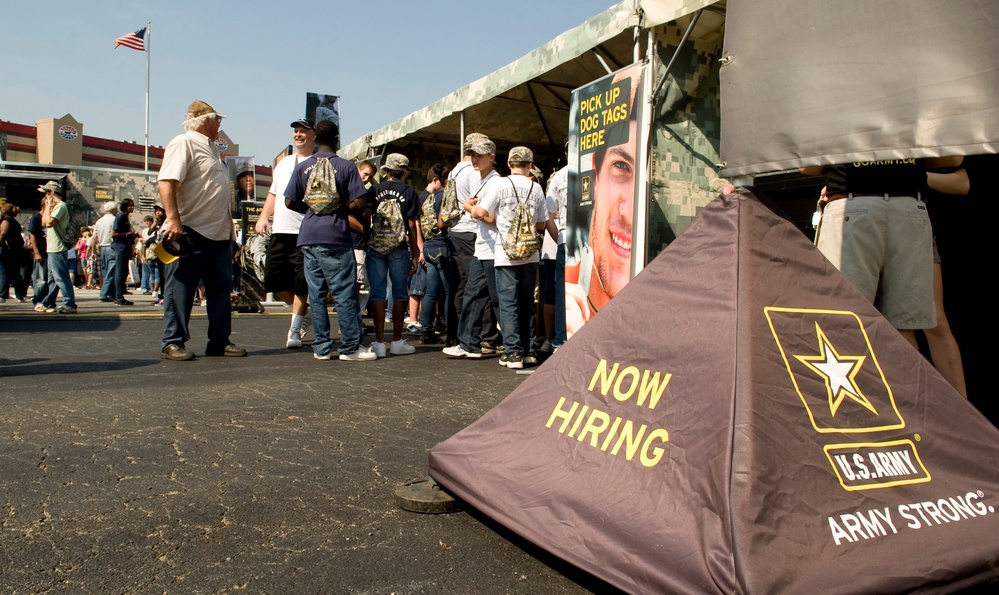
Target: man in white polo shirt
{"points": [[194, 188]]}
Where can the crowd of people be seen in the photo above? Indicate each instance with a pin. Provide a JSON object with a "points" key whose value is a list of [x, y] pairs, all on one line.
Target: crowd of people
{"points": [[49, 259], [474, 261], [362, 237]]}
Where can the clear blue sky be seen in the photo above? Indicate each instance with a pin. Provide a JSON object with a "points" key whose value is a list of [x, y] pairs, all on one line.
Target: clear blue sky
{"points": [[255, 61]]}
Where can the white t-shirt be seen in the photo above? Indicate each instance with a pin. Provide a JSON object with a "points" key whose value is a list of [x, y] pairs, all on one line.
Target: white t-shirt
{"points": [[503, 196], [285, 220], [485, 234], [467, 182], [102, 229], [192, 160], [558, 187]]}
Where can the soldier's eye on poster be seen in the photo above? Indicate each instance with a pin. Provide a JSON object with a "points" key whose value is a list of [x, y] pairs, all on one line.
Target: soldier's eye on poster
{"points": [[603, 158]]}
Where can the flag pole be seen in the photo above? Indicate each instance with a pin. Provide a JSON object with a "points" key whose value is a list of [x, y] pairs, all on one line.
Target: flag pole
{"points": [[149, 26]]}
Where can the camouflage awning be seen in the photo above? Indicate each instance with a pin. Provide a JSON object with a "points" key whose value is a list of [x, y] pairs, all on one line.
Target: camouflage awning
{"points": [[527, 101]]}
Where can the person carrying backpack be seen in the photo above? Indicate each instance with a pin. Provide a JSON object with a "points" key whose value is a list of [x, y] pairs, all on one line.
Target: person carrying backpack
{"points": [[521, 214], [394, 248], [328, 191], [442, 272]]}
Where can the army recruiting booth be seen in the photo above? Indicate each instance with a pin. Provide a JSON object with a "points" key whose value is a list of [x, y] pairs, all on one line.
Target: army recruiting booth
{"points": [[738, 418]]}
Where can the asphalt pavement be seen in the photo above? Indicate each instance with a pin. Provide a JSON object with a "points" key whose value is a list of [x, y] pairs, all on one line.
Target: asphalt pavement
{"points": [[121, 472]]}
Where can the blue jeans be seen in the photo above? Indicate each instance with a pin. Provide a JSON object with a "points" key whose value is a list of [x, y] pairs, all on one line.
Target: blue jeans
{"points": [[107, 273], [40, 281], [560, 334], [10, 275], [480, 292], [210, 261], [122, 255], [442, 279], [383, 266], [147, 276], [331, 267], [59, 281], [515, 289]]}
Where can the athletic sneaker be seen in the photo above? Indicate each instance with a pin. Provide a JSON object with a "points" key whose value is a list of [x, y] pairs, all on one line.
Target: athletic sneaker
{"points": [[65, 310], [294, 339], [530, 360], [514, 361], [414, 329], [358, 356], [489, 348], [39, 307], [51, 310], [457, 352], [322, 356], [401, 347], [377, 348], [303, 331]]}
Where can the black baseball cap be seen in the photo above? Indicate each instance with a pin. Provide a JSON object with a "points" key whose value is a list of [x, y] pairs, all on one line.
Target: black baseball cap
{"points": [[305, 123]]}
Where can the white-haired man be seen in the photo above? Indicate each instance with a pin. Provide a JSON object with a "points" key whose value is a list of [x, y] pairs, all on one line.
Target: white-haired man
{"points": [[194, 187], [103, 254]]}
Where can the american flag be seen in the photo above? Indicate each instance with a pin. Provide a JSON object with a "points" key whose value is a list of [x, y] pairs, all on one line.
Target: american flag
{"points": [[133, 40]]}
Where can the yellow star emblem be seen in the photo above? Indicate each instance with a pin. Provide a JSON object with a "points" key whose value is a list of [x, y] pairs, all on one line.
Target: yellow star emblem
{"points": [[838, 372]]}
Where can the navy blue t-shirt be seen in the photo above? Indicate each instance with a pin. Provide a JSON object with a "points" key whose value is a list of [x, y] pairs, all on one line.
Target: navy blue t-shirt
{"points": [[333, 228], [35, 228], [122, 225], [401, 192]]}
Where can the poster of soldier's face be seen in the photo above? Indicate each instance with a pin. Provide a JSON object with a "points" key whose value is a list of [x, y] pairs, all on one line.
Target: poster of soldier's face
{"points": [[603, 157], [320, 107]]}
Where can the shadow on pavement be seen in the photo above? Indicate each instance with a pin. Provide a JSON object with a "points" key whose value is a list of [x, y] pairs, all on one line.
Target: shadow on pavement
{"points": [[45, 367]]}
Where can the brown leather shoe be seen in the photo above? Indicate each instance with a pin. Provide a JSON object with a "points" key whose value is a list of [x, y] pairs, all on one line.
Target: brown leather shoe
{"points": [[176, 352], [230, 350]]}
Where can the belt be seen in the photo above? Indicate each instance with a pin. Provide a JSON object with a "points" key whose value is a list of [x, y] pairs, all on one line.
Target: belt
{"points": [[886, 196]]}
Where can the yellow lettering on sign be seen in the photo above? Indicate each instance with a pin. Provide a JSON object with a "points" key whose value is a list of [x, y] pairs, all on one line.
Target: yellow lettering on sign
{"points": [[652, 384], [593, 424]]}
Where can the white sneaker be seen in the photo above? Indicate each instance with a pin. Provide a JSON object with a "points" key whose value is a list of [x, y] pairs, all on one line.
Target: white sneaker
{"points": [[306, 325], [204, 302], [322, 356], [294, 339], [377, 348], [358, 356], [401, 347], [457, 352]]}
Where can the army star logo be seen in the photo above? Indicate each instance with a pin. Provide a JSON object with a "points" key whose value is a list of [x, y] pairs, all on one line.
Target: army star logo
{"points": [[838, 372]]}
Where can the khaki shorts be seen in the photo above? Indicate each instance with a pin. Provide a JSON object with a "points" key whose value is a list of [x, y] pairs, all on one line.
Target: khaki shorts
{"points": [[884, 246]]}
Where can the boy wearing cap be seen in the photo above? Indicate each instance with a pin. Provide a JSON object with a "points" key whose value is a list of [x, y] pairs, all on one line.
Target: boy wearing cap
{"points": [[400, 262], [284, 272], [327, 249], [516, 278], [194, 188], [55, 218], [469, 181], [480, 289]]}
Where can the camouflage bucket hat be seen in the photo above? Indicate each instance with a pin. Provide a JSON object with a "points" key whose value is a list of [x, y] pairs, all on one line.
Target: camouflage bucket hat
{"points": [[520, 155], [50, 185], [483, 147], [472, 139], [396, 162]]}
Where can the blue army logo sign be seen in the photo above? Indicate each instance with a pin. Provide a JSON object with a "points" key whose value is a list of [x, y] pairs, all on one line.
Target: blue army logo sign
{"points": [[835, 371]]}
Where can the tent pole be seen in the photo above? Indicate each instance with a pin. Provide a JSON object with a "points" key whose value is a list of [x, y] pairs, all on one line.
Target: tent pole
{"points": [[541, 118], [640, 221], [679, 46], [461, 138]]}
